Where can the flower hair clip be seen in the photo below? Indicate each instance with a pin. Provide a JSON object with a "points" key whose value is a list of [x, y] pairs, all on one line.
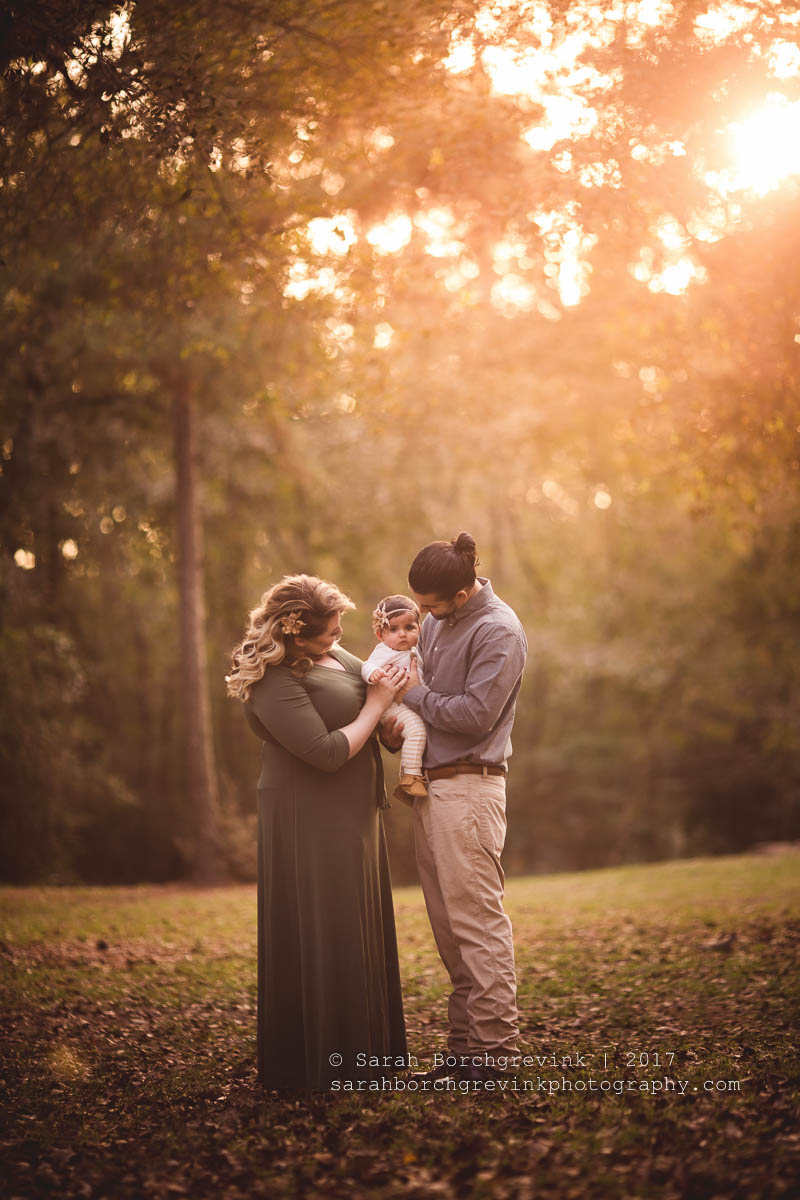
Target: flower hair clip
{"points": [[291, 623], [380, 620]]}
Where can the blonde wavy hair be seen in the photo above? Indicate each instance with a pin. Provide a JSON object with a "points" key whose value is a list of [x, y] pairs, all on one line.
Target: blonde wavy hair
{"points": [[300, 605]]}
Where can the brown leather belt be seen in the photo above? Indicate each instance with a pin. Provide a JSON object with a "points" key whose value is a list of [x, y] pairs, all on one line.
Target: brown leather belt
{"points": [[464, 769]]}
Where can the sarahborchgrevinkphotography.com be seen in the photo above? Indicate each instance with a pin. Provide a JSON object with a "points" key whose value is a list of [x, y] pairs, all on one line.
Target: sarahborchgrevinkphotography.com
{"points": [[400, 531]]}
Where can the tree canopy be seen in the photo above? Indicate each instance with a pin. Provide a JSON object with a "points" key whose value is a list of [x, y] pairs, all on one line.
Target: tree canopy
{"points": [[525, 268]]}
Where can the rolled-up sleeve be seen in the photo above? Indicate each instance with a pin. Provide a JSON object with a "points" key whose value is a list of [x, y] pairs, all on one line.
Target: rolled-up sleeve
{"points": [[496, 664], [282, 705]]}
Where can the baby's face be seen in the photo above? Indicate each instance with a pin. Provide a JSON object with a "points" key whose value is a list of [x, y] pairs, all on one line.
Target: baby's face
{"points": [[403, 631]]}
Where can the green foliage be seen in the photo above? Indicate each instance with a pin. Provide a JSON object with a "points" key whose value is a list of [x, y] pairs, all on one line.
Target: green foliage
{"points": [[64, 806], [157, 190]]}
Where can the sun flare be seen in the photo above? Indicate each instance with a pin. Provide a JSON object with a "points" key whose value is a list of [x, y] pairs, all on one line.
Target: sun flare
{"points": [[766, 146]]}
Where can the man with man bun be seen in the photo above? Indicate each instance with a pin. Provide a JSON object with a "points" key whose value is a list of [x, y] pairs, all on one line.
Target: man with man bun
{"points": [[474, 650]]}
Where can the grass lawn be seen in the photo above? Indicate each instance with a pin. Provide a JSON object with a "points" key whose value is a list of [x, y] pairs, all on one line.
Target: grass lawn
{"points": [[659, 1011]]}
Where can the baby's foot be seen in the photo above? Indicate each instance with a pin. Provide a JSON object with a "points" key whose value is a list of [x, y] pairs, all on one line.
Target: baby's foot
{"points": [[409, 787]]}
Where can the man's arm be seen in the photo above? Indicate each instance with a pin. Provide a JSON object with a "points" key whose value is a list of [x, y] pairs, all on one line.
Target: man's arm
{"points": [[496, 663]]}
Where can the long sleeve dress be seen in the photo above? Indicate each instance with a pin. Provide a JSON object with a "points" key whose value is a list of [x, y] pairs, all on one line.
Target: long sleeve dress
{"points": [[328, 974]]}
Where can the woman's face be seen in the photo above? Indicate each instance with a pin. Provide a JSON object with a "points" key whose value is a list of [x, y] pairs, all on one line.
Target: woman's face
{"points": [[315, 647]]}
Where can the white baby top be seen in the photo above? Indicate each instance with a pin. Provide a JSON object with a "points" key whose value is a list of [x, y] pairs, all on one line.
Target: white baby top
{"points": [[385, 656]]}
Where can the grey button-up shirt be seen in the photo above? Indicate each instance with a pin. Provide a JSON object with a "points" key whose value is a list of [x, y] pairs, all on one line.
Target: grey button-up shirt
{"points": [[473, 664]]}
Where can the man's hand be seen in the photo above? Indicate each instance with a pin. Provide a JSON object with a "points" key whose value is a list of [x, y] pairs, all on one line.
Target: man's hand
{"points": [[390, 732], [413, 680]]}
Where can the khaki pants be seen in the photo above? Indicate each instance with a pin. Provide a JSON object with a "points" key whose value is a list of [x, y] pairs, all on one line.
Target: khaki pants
{"points": [[459, 833]]}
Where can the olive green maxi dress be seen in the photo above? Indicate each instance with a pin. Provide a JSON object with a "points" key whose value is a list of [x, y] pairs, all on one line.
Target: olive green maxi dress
{"points": [[328, 975]]}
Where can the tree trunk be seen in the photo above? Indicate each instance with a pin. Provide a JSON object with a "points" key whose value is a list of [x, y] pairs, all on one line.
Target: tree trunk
{"points": [[198, 745]]}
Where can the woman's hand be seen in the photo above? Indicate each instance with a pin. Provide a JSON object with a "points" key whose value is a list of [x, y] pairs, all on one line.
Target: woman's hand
{"points": [[385, 690]]}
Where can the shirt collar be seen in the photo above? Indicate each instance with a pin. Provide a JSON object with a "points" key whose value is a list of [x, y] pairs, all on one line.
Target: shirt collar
{"points": [[475, 603]]}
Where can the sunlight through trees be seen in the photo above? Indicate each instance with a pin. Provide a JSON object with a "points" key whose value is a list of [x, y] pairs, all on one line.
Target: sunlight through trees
{"points": [[524, 268]]}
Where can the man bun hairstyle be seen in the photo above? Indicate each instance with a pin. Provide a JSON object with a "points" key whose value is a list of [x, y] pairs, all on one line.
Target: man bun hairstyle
{"points": [[465, 544], [445, 568]]}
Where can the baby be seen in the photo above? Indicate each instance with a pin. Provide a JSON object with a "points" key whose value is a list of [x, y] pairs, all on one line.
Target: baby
{"points": [[396, 625]]}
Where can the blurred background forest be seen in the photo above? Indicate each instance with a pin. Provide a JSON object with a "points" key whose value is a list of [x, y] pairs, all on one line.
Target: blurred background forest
{"points": [[299, 285]]}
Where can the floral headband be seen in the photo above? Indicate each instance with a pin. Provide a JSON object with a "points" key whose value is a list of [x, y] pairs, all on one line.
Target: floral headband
{"points": [[381, 619], [291, 623]]}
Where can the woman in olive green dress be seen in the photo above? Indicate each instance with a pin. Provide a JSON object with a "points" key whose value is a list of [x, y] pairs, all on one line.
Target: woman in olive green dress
{"points": [[328, 979]]}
